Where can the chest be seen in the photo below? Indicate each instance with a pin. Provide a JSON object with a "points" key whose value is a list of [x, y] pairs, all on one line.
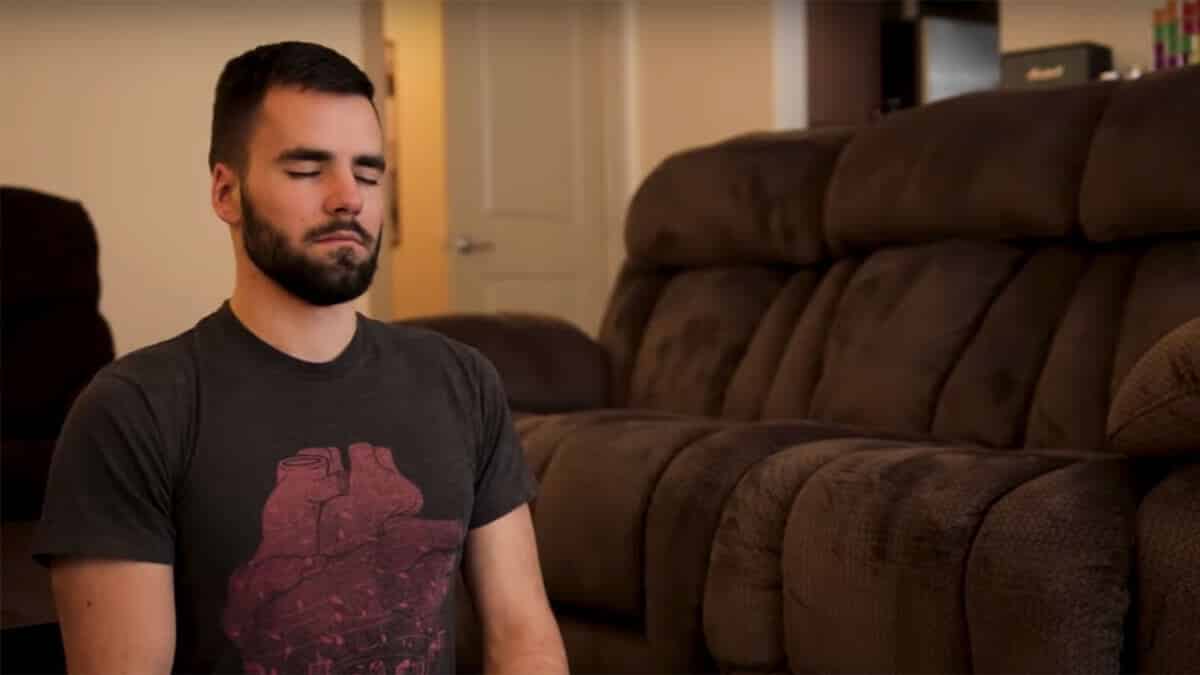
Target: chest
{"points": [[323, 472]]}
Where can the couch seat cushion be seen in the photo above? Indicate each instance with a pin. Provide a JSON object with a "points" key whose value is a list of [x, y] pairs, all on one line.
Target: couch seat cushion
{"points": [[854, 555]]}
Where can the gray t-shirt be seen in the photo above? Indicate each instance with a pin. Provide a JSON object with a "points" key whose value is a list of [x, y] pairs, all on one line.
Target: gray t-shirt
{"points": [[314, 513]]}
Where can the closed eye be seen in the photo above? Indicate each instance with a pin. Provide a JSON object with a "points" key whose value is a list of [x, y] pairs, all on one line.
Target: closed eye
{"points": [[367, 180], [302, 174]]}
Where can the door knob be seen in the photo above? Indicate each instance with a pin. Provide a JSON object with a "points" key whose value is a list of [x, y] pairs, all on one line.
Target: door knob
{"points": [[464, 245]]}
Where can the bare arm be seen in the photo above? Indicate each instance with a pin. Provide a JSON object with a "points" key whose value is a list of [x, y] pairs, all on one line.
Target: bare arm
{"points": [[520, 634], [117, 617]]}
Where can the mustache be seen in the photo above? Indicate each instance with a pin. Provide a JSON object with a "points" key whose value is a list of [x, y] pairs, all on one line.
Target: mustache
{"points": [[334, 227]]}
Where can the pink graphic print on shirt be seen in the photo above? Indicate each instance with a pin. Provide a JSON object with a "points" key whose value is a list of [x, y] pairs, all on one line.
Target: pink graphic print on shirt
{"points": [[346, 579]]}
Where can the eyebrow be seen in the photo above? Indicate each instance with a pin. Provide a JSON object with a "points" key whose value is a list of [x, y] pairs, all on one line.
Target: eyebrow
{"points": [[303, 154]]}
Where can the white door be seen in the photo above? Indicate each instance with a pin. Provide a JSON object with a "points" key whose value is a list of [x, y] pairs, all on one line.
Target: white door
{"points": [[525, 158]]}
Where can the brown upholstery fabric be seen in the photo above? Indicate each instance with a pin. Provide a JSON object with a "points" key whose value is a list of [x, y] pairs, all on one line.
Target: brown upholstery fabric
{"points": [[904, 320], [875, 553], [647, 490], [792, 386], [606, 502], [991, 165], [753, 199], [602, 647], [1070, 403], [743, 605], [541, 435], [546, 364], [1145, 160], [1157, 409], [697, 336], [886, 451], [1047, 587], [682, 522], [986, 398], [1164, 295], [624, 324], [1167, 612], [754, 375]]}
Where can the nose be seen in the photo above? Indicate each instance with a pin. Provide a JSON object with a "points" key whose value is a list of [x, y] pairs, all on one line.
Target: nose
{"points": [[344, 196]]}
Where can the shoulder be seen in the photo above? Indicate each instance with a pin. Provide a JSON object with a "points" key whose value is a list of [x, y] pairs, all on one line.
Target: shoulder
{"points": [[159, 368], [154, 384]]}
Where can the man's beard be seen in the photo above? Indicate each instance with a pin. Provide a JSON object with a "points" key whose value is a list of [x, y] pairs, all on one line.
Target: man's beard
{"points": [[337, 279]]}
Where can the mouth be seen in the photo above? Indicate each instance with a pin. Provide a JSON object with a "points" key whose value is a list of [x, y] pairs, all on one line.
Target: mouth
{"points": [[340, 238]]}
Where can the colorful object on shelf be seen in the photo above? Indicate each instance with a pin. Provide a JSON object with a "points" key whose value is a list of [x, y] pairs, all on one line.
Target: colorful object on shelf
{"points": [[1194, 32], [1160, 38], [1177, 34], [1185, 33], [1171, 26]]}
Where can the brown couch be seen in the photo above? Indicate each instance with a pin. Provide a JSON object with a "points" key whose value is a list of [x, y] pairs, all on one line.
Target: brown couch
{"points": [[921, 396]]}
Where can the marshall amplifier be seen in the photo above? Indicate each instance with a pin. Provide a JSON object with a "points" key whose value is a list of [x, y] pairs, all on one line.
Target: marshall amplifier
{"points": [[1054, 66]]}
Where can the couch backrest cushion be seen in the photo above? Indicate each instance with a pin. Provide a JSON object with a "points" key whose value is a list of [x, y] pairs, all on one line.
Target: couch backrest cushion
{"points": [[753, 199], [992, 343], [957, 296], [990, 165], [1143, 172], [698, 334]]}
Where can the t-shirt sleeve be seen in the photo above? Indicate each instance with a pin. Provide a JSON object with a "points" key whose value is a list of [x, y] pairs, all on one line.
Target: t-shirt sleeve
{"points": [[503, 480], [109, 492]]}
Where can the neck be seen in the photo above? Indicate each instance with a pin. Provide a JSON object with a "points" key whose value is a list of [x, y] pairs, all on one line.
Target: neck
{"points": [[294, 327]]}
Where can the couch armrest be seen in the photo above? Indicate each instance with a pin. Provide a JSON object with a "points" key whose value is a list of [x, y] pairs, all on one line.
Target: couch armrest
{"points": [[1157, 409], [547, 364]]}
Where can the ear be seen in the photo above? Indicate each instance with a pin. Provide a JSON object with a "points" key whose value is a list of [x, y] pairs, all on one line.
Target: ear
{"points": [[226, 194]]}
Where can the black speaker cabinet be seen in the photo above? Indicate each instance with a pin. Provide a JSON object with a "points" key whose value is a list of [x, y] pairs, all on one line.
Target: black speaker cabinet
{"points": [[1055, 66]]}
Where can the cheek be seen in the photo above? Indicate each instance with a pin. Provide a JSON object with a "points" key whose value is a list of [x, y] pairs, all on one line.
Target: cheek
{"points": [[287, 204], [374, 203]]}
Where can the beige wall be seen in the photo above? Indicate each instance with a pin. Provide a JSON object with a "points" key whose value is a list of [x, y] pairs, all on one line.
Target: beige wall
{"points": [[110, 104], [705, 71], [683, 74], [1123, 25]]}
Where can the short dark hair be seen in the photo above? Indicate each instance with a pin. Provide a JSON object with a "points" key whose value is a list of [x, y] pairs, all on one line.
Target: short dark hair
{"points": [[245, 80]]}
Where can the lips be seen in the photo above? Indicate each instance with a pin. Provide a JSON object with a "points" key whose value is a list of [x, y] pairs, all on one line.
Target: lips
{"points": [[340, 238]]}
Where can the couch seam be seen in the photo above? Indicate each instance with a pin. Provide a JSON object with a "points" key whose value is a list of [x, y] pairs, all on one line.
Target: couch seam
{"points": [[670, 275], [834, 169], [889, 445], [787, 342], [976, 326], [823, 359], [983, 516], [1087, 162], [645, 517], [1047, 350], [787, 275], [1130, 284], [780, 448]]}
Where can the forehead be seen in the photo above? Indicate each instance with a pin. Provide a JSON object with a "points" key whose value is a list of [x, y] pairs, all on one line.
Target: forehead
{"points": [[340, 123]]}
